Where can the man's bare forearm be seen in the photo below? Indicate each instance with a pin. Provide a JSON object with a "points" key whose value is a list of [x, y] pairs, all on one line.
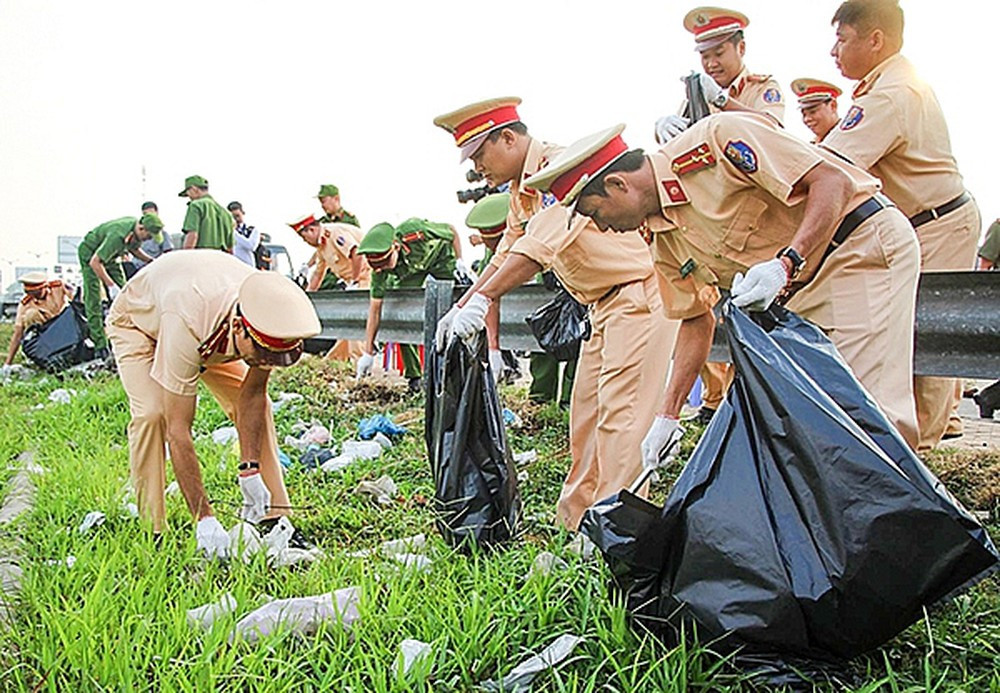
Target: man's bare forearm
{"points": [[694, 341], [251, 413]]}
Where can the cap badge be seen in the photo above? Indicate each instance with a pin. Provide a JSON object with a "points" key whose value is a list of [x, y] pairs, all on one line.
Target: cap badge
{"points": [[694, 160], [700, 20], [741, 155]]}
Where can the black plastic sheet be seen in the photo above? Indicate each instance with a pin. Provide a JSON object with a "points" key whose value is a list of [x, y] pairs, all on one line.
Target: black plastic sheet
{"points": [[475, 484], [802, 526], [560, 325], [59, 343]]}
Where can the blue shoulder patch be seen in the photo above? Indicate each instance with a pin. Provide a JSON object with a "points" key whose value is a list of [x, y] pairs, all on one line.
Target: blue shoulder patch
{"points": [[741, 155], [852, 118], [772, 95], [548, 199]]}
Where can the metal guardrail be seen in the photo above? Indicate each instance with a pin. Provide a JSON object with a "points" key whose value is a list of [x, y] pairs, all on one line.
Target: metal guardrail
{"points": [[957, 322]]}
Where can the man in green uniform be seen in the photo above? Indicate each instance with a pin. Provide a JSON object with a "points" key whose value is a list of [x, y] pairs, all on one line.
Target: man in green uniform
{"points": [[333, 212], [207, 224], [99, 254], [403, 257]]}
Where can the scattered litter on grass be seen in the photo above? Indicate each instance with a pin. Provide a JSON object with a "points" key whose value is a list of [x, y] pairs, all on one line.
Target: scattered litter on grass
{"points": [[525, 457], [545, 564], [292, 556], [173, 488], [225, 435], [314, 456], [522, 476], [410, 652], [39, 406], [335, 464], [95, 518], [302, 615], [394, 547], [279, 553], [90, 369], [582, 546], [284, 460], [131, 509], [284, 399], [62, 396], [383, 440], [204, 616], [512, 419], [244, 541], [15, 371], [379, 423], [361, 449], [382, 490], [413, 560], [69, 561], [520, 677]]}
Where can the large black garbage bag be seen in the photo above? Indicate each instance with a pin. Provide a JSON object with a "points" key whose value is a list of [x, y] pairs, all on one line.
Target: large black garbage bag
{"points": [[475, 483], [801, 525], [59, 343], [560, 325]]}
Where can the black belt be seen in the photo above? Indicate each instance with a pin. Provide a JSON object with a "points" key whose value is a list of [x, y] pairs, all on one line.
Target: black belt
{"points": [[932, 214]]}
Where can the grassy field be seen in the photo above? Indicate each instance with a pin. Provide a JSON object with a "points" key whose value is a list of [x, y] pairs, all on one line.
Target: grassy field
{"points": [[115, 620]]}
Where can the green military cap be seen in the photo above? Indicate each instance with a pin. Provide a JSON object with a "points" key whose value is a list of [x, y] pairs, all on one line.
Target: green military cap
{"points": [[327, 190], [378, 240], [152, 223], [489, 215], [197, 181]]}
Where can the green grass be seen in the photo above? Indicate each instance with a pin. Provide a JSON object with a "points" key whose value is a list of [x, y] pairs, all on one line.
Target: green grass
{"points": [[116, 620]]}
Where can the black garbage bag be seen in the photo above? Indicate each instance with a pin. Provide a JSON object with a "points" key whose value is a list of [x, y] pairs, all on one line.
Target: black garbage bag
{"points": [[475, 484], [560, 326], [802, 526], [59, 343]]}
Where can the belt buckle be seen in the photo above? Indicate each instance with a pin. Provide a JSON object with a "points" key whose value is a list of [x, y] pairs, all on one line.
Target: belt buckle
{"points": [[934, 214]]}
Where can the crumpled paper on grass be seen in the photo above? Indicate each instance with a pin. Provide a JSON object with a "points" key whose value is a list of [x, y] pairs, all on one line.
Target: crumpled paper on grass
{"points": [[204, 616], [302, 615], [382, 490], [520, 677]]}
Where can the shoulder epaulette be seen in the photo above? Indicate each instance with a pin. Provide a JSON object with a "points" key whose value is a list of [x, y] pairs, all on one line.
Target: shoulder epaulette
{"points": [[758, 78]]}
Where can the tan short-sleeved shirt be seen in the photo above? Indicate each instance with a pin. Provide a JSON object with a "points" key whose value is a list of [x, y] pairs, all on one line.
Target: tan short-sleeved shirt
{"points": [[760, 92], [336, 241], [178, 302], [589, 262], [525, 202], [728, 201], [32, 311], [896, 130]]}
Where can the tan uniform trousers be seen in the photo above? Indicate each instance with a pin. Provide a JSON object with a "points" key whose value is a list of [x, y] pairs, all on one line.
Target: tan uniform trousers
{"points": [[864, 298], [618, 386], [348, 350], [147, 430], [948, 243], [716, 378]]}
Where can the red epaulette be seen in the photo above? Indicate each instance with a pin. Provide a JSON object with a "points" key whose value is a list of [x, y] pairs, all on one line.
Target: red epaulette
{"points": [[26, 299]]}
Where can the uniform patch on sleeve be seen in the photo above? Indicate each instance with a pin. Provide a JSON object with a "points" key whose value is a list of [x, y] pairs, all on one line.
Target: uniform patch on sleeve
{"points": [[674, 191], [772, 95], [548, 199], [741, 155], [341, 241], [688, 267], [852, 118], [693, 160]]}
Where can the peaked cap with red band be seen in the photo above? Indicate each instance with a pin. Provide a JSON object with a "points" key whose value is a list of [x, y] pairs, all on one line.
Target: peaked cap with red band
{"points": [[580, 163], [33, 281], [276, 312], [303, 223], [471, 124], [713, 25], [812, 91]]}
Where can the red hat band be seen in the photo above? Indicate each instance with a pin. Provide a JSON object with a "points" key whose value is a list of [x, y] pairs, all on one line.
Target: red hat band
{"points": [[818, 89], [268, 342], [304, 224], [494, 231], [484, 121], [718, 26], [591, 166]]}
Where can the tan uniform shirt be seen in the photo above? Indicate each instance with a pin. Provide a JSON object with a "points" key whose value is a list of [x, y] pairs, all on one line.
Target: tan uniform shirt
{"points": [[759, 92], [35, 311], [525, 202], [589, 262], [896, 130], [726, 188], [178, 302], [336, 241]]}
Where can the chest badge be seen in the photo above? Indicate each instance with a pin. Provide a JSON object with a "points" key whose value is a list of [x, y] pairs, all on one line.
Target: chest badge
{"points": [[852, 118], [694, 160], [742, 156]]}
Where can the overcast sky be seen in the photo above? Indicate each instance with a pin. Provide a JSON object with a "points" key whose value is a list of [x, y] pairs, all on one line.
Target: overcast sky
{"points": [[269, 100]]}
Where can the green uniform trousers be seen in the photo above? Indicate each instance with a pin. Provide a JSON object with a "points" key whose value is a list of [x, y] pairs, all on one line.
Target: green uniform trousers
{"points": [[92, 299], [545, 379]]}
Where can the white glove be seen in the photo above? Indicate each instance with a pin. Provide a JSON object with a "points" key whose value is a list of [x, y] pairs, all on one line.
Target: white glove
{"points": [[710, 88], [113, 292], [444, 328], [463, 272], [496, 364], [351, 286], [669, 126], [365, 363], [256, 498], [471, 319], [212, 538], [658, 441], [764, 281]]}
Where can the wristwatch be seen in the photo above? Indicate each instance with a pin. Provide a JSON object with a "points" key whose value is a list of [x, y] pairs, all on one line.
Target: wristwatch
{"points": [[798, 262], [721, 100]]}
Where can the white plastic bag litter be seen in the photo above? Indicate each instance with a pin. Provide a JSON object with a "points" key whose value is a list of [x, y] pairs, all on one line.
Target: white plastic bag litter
{"points": [[95, 518], [383, 440], [62, 396], [205, 616], [520, 677], [335, 464], [582, 546], [416, 561], [525, 457], [394, 547], [244, 541], [544, 564], [284, 399], [410, 652], [302, 615], [361, 449], [382, 490], [279, 553], [225, 435], [172, 488]]}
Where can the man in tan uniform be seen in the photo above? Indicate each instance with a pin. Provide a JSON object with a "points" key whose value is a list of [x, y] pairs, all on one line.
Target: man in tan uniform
{"points": [[818, 105], [896, 130], [42, 301], [732, 195], [204, 315], [623, 365], [336, 247], [492, 135]]}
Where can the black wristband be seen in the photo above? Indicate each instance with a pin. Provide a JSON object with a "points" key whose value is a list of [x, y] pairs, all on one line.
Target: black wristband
{"points": [[246, 466]]}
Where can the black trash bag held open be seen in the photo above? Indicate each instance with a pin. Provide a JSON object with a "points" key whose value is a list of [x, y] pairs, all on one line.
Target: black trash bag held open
{"points": [[475, 483], [802, 525], [59, 343], [560, 326]]}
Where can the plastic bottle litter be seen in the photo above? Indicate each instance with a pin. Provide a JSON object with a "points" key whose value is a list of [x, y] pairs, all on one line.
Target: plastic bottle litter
{"points": [[204, 616], [95, 518], [382, 490], [302, 615], [225, 435], [520, 677], [410, 652]]}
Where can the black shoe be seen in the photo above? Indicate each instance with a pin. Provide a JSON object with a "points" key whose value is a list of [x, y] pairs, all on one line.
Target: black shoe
{"points": [[985, 408], [414, 385], [953, 435], [101, 354], [705, 415], [298, 540]]}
